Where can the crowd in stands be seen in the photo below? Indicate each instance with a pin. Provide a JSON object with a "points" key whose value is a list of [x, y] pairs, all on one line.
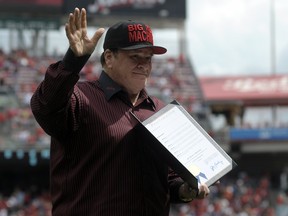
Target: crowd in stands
{"points": [[25, 203], [21, 73], [19, 76], [241, 196]]}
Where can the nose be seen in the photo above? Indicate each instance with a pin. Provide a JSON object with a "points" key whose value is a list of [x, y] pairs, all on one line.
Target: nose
{"points": [[143, 64]]}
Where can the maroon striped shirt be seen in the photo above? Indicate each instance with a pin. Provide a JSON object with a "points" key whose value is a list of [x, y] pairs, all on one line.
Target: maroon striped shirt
{"points": [[99, 163]]}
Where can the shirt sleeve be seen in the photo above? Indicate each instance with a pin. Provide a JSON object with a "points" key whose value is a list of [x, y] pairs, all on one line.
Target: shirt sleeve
{"points": [[55, 96], [174, 183]]}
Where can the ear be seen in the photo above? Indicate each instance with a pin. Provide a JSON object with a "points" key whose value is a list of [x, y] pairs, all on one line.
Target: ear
{"points": [[108, 56]]}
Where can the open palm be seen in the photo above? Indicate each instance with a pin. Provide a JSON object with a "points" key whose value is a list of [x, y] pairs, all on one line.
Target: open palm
{"points": [[76, 32]]}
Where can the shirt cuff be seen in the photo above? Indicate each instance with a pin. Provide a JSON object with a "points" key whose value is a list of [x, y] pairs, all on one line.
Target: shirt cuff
{"points": [[174, 191], [74, 63]]}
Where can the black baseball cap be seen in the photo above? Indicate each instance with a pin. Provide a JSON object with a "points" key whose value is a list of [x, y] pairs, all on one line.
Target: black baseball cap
{"points": [[130, 35]]}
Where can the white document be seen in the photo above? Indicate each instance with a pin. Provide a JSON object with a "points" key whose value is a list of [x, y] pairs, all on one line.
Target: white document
{"points": [[187, 141]]}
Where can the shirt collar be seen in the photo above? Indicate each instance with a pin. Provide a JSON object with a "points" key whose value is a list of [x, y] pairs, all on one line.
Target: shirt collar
{"points": [[108, 85], [110, 88]]}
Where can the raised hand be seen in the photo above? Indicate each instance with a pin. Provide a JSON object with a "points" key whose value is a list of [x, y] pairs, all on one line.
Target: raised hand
{"points": [[76, 32]]}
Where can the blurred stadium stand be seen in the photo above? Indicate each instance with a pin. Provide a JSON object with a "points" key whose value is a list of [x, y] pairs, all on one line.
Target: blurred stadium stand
{"points": [[247, 116]]}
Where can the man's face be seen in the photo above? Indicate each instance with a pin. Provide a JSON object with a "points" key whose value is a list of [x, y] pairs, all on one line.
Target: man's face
{"points": [[130, 68]]}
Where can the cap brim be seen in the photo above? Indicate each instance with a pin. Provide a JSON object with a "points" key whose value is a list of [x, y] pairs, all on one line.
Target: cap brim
{"points": [[158, 50]]}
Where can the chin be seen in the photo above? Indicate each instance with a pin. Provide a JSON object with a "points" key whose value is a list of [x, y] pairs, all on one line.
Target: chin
{"points": [[137, 89], [139, 83]]}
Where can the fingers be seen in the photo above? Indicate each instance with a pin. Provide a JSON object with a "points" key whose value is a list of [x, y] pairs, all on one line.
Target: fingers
{"points": [[70, 26], [188, 193], [76, 21], [97, 35], [203, 191], [83, 19], [76, 32], [77, 18]]}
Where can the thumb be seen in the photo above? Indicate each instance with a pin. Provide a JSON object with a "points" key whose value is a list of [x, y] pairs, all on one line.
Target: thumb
{"points": [[203, 191], [97, 35]]}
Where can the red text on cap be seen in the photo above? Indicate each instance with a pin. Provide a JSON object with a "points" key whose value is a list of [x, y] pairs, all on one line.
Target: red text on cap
{"points": [[138, 34]]}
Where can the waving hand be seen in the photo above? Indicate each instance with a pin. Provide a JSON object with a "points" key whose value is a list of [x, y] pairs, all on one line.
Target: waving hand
{"points": [[76, 32]]}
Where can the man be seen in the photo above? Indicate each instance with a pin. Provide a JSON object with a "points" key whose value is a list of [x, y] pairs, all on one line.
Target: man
{"points": [[100, 164]]}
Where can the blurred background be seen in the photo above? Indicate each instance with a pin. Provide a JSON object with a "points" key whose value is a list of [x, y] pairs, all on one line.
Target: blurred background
{"points": [[226, 64]]}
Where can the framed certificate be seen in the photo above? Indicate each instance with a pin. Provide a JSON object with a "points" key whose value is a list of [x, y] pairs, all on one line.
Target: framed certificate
{"points": [[186, 147]]}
